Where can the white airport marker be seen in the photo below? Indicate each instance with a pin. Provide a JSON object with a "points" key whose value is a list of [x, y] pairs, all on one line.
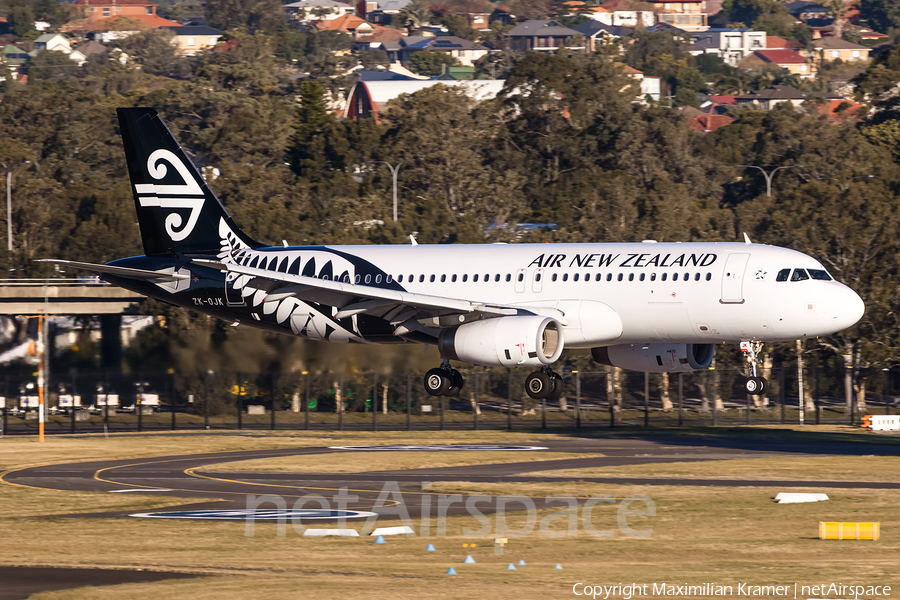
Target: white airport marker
{"points": [[140, 490]]}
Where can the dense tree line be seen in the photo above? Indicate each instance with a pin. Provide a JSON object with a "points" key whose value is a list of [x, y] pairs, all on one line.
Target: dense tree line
{"points": [[564, 143]]}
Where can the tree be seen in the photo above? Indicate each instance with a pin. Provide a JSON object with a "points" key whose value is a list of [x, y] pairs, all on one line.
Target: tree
{"points": [[49, 64], [154, 51], [459, 26], [21, 21], [770, 16], [413, 16], [426, 62], [250, 15], [880, 15]]}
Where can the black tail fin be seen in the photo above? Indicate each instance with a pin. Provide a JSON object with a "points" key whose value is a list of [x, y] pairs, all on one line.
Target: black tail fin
{"points": [[177, 212]]}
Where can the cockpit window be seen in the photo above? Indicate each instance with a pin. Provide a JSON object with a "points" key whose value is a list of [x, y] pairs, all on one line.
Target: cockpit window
{"points": [[819, 274], [783, 275], [799, 275]]}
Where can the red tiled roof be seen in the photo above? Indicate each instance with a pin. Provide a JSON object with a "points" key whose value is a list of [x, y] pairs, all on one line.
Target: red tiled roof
{"points": [[113, 3], [708, 123], [2, 20], [342, 23], [730, 100], [774, 42], [781, 57], [831, 114], [108, 23], [614, 5]]}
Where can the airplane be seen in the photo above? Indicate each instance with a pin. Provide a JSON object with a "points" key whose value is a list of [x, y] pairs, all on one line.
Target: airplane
{"points": [[645, 306]]}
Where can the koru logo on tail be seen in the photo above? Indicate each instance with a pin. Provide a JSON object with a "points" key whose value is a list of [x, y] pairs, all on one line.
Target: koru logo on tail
{"points": [[186, 196]]}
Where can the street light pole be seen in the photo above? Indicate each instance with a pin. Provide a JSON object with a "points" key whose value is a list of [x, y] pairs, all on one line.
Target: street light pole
{"points": [[9, 203], [769, 175], [8, 208], [395, 170]]}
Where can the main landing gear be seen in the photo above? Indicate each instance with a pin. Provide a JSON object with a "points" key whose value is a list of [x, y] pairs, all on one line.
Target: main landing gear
{"points": [[544, 384], [754, 385], [444, 381]]}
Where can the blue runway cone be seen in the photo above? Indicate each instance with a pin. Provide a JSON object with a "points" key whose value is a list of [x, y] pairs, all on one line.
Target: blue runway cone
{"points": [[469, 560], [521, 563], [511, 567], [380, 540], [430, 548], [451, 571], [558, 566]]}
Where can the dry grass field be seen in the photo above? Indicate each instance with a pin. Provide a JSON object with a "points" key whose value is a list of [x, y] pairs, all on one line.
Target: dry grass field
{"points": [[699, 534]]}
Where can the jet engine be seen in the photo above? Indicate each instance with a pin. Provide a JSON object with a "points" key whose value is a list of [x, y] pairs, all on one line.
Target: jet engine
{"points": [[504, 341], [656, 358]]}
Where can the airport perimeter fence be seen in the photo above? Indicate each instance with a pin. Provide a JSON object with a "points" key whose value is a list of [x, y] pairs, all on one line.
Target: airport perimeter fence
{"points": [[369, 401]]}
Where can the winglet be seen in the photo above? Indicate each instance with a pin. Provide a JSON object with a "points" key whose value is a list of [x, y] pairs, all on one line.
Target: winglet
{"points": [[747, 239], [413, 240]]}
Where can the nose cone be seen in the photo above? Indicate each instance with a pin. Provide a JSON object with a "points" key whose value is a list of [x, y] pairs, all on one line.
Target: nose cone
{"points": [[849, 308]]}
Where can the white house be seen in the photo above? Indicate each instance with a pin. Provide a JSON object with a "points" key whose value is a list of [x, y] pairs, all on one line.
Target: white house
{"points": [[53, 41], [307, 11], [731, 45], [616, 14]]}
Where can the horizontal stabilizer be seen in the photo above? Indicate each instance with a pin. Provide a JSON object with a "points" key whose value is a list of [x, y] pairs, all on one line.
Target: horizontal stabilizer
{"points": [[120, 271]]}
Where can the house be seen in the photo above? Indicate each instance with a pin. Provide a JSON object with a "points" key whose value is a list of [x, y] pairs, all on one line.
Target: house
{"points": [[788, 59], [368, 98], [831, 48], [781, 94], [307, 11], [623, 13], [191, 39], [82, 52], [650, 87], [381, 11], [52, 41], [13, 57], [596, 33], [382, 39], [688, 15], [709, 122], [838, 110], [349, 24], [464, 51], [97, 15], [541, 35], [803, 11], [731, 45]]}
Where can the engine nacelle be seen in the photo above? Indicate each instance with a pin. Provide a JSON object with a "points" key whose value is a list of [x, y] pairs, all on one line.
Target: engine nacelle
{"points": [[656, 358], [504, 341]]}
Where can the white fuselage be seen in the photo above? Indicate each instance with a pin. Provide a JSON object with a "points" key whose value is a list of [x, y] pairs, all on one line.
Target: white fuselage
{"points": [[624, 293]]}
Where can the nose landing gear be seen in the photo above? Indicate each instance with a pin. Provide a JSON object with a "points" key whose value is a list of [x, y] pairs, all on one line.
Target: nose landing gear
{"points": [[444, 381], [754, 384]]}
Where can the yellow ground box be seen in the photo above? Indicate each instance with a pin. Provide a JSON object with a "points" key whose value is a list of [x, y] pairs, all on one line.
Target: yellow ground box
{"points": [[849, 531]]}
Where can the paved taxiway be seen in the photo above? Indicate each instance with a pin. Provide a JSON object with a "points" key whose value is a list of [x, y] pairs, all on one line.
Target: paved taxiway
{"points": [[183, 476]]}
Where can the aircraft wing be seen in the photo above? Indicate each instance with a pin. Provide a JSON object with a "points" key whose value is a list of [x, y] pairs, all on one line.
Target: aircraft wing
{"points": [[402, 309], [159, 276]]}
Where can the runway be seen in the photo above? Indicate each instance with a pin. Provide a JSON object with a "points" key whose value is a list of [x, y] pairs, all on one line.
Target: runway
{"points": [[183, 476]]}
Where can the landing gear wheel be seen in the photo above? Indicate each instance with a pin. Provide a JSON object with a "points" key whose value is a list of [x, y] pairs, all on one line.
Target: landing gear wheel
{"points": [[755, 385], [538, 385], [456, 384], [437, 382], [559, 386]]}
